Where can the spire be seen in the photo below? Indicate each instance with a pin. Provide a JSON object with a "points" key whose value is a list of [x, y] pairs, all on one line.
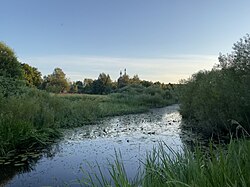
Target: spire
{"points": [[120, 73], [125, 71]]}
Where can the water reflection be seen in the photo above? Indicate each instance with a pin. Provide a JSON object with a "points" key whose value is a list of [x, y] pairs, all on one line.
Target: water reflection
{"points": [[82, 148], [24, 162]]}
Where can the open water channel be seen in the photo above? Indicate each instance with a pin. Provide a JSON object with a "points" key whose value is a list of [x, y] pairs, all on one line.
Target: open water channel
{"points": [[82, 148]]}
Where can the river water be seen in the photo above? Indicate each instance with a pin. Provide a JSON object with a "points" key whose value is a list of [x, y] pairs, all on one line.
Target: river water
{"points": [[83, 149]]}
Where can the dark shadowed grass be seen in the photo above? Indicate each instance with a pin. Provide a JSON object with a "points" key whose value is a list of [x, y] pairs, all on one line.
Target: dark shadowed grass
{"points": [[222, 166]]}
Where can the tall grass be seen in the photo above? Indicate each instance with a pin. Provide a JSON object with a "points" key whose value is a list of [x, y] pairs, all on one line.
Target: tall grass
{"points": [[117, 175], [33, 117], [221, 166], [217, 167]]}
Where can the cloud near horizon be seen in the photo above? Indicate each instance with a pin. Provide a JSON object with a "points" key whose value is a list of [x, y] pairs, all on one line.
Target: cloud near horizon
{"points": [[166, 69]]}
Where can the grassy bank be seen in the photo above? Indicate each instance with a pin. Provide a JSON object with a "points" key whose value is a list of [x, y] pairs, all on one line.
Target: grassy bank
{"points": [[31, 118], [227, 166], [217, 102]]}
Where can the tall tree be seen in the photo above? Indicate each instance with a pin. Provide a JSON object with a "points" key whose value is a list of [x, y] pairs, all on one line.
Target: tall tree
{"points": [[79, 85], [32, 76], [216, 99], [123, 81], [135, 80], [73, 87], [9, 65], [56, 82], [88, 86], [103, 84], [239, 59]]}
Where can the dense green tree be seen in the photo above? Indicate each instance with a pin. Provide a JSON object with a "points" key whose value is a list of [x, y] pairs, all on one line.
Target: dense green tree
{"points": [[73, 87], [79, 85], [88, 86], [146, 83], [105, 79], [87, 82], [123, 81], [9, 65], [56, 82], [239, 59], [10, 86], [218, 101], [103, 84], [135, 80], [32, 76]]}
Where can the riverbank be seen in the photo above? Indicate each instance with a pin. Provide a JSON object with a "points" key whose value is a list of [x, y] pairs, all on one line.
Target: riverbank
{"points": [[33, 118], [82, 147]]}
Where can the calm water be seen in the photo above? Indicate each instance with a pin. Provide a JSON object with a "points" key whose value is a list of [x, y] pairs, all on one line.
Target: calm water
{"points": [[82, 148]]}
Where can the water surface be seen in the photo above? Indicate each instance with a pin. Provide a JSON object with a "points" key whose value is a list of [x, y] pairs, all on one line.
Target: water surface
{"points": [[82, 148]]}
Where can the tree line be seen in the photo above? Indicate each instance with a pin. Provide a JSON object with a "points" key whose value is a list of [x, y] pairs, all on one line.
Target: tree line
{"points": [[57, 82], [30, 116]]}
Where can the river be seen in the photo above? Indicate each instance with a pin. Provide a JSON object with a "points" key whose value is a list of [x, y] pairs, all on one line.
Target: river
{"points": [[82, 148]]}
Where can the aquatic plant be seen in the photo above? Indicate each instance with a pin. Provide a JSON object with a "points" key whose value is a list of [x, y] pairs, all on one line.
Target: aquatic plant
{"points": [[222, 166]]}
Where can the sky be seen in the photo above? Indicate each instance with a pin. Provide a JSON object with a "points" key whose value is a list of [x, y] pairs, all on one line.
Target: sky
{"points": [[159, 40]]}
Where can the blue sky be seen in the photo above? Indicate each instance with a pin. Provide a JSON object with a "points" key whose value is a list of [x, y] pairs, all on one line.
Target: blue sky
{"points": [[163, 40]]}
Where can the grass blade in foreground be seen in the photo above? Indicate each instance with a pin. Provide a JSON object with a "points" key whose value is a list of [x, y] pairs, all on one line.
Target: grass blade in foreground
{"points": [[229, 166]]}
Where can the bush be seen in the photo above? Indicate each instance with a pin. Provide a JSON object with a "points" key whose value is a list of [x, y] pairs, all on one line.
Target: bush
{"points": [[218, 101]]}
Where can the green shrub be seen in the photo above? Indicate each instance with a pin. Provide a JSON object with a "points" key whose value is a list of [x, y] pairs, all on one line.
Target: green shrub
{"points": [[218, 101]]}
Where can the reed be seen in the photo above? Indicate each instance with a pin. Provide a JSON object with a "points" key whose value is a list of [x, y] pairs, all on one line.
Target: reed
{"points": [[221, 166]]}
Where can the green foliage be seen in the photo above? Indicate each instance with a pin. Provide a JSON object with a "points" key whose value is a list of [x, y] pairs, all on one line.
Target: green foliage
{"points": [[217, 167], [24, 119], [135, 80], [10, 86], [79, 86], [56, 82], [9, 65], [25, 115], [31, 111], [32, 75], [123, 81], [102, 85], [81, 109], [30, 117], [87, 86], [217, 102], [152, 96], [73, 88], [117, 173]]}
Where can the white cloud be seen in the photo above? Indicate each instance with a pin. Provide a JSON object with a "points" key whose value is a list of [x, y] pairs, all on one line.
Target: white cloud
{"points": [[166, 69]]}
